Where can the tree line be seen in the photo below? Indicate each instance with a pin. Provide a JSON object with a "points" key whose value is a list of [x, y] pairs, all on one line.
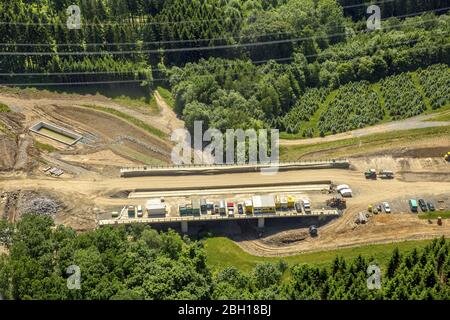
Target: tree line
{"points": [[141, 263]]}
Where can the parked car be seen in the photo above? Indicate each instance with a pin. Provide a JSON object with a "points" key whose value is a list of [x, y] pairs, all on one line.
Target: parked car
{"points": [[386, 207], [379, 208], [298, 207], [240, 208], [423, 205], [413, 205], [431, 206]]}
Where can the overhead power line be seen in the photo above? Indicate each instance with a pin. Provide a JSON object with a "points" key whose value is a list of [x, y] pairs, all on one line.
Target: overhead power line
{"points": [[162, 79], [13, 74], [202, 48], [145, 43]]}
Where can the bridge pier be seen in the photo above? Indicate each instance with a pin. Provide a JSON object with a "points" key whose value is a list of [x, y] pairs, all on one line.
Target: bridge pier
{"points": [[260, 223], [184, 226]]}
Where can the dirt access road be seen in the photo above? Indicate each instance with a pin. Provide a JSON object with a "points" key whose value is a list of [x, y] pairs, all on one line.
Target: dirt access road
{"points": [[407, 124], [339, 233]]}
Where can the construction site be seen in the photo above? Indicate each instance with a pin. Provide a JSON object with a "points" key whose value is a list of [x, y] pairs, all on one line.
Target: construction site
{"points": [[100, 162]]}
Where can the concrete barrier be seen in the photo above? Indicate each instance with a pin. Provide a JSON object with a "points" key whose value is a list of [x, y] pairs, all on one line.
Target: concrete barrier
{"points": [[219, 169]]}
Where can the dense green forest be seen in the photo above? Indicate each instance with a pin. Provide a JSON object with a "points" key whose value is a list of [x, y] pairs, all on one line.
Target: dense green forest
{"points": [[240, 63], [140, 263]]}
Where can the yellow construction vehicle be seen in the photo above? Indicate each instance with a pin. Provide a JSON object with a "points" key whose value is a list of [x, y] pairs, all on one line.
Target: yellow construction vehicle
{"points": [[447, 156]]}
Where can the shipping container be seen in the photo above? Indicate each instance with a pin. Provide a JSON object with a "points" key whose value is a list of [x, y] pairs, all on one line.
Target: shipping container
{"points": [[182, 209], [210, 206], [222, 208], [195, 207], [203, 206], [283, 203], [248, 204], [277, 202], [131, 211]]}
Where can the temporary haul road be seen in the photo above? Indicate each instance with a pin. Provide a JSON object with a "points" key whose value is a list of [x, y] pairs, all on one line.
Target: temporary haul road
{"points": [[100, 190]]}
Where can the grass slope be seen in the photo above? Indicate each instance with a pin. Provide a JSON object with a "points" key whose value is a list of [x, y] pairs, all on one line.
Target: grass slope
{"points": [[435, 215], [4, 108], [167, 96], [313, 122], [363, 144], [137, 122], [222, 252]]}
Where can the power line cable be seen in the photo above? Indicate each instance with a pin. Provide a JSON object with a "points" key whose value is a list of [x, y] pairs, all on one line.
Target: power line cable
{"points": [[13, 74], [202, 48], [157, 79], [144, 43]]}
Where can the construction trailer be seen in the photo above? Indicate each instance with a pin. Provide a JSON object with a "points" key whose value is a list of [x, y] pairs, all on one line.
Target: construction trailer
{"points": [[195, 207], [222, 208], [131, 210], [203, 206], [210, 206], [157, 208], [277, 202], [248, 207], [370, 174], [283, 203], [386, 174], [230, 208], [263, 204]]}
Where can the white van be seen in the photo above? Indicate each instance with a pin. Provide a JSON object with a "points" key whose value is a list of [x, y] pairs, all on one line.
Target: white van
{"points": [[342, 187], [306, 206], [346, 192]]}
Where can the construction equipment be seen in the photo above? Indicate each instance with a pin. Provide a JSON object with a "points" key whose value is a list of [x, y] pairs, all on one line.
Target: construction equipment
{"points": [[337, 203], [447, 156], [386, 174], [313, 231], [370, 208], [362, 218], [370, 174]]}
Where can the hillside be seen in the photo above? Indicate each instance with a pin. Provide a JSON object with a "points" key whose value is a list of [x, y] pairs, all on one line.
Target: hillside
{"points": [[360, 104]]}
